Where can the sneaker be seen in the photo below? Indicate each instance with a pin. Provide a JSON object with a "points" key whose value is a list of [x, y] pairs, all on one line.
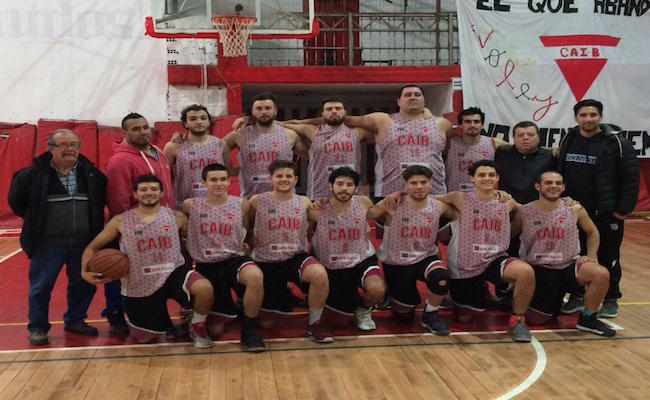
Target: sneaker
{"points": [[593, 325], [117, 323], [199, 334], [250, 341], [38, 337], [81, 328], [432, 321], [609, 309], [384, 303], [177, 331], [447, 304], [520, 332], [575, 303], [364, 319], [319, 333]]}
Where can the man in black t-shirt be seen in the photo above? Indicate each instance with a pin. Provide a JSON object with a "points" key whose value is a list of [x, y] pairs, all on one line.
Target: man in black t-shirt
{"points": [[602, 173]]}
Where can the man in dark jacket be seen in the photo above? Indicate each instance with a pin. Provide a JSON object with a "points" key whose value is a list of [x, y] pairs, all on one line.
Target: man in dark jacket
{"points": [[601, 172], [61, 200], [522, 163]]}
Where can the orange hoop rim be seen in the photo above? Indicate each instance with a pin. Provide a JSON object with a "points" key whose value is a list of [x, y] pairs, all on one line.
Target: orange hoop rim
{"points": [[239, 19]]}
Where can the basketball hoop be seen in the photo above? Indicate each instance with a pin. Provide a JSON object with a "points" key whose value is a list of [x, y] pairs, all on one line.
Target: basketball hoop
{"points": [[233, 33]]}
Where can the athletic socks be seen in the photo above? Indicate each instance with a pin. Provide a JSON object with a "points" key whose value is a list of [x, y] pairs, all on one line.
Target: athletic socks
{"points": [[198, 318], [588, 313], [516, 317], [314, 315], [429, 308]]}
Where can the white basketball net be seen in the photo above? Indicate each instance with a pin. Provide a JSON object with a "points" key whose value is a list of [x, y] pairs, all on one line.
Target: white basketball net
{"points": [[233, 33]]}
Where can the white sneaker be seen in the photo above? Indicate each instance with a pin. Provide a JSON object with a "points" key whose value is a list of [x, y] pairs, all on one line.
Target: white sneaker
{"points": [[199, 334], [364, 319]]}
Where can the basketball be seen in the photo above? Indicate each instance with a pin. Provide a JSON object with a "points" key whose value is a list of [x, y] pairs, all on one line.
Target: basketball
{"points": [[111, 263]]}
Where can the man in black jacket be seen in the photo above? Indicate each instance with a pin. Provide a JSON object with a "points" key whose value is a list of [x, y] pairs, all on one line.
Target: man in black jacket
{"points": [[522, 163], [601, 172], [61, 200]]}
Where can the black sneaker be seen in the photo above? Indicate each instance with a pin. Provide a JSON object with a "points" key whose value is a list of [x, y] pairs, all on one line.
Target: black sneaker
{"points": [[38, 337], [432, 321], [178, 331], [81, 328], [117, 323], [594, 325], [250, 340], [384, 303]]}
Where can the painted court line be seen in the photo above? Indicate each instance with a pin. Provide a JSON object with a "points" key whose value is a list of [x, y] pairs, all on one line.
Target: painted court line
{"points": [[540, 365], [8, 256]]}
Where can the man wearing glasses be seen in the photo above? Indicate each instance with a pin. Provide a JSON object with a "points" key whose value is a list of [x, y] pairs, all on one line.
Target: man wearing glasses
{"points": [[61, 200]]}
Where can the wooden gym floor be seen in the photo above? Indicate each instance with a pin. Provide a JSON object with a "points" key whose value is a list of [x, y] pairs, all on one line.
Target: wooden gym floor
{"points": [[559, 363]]}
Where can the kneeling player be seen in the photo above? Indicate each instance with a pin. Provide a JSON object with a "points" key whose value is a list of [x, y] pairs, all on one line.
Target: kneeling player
{"points": [[477, 251], [280, 248], [341, 242], [149, 236], [549, 241], [409, 252], [215, 240]]}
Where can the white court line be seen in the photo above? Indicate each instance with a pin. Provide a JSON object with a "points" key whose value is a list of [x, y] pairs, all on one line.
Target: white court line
{"points": [[275, 340], [609, 322], [8, 256], [540, 365]]}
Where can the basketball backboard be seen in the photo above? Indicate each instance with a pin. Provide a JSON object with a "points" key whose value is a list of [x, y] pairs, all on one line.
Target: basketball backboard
{"points": [[275, 18]]}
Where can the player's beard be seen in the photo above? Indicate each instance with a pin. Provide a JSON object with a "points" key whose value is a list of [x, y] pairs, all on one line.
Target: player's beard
{"points": [[200, 133], [343, 197], [149, 204], [335, 121], [264, 122]]}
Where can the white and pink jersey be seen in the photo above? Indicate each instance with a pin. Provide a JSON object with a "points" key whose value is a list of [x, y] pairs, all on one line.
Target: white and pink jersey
{"points": [[190, 161], [411, 235], [331, 148], [416, 142], [549, 239], [280, 230], [215, 233], [154, 251], [460, 156], [342, 239], [479, 236], [257, 151]]}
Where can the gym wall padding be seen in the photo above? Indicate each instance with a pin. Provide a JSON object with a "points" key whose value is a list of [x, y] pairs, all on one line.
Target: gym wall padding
{"points": [[107, 137], [17, 143], [87, 131]]}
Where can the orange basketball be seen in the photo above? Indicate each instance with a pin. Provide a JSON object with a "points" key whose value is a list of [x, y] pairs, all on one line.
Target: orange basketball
{"points": [[111, 263]]}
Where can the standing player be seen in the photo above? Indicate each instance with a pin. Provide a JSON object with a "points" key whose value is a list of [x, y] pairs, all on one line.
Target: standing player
{"points": [[409, 252], [280, 248], [333, 145], [149, 236], [462, 151], [342, 242], [259, 144], [406, 138], [215, 240], [477, 251], [187, 159], [550, 242]]}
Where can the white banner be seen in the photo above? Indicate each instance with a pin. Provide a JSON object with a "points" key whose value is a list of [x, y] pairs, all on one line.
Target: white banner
{"points": [[535, 59], [80, 59]]}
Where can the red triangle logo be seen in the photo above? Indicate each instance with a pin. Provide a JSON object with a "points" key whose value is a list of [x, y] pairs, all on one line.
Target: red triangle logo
{"points": [[581, 74], [580, 58]]}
